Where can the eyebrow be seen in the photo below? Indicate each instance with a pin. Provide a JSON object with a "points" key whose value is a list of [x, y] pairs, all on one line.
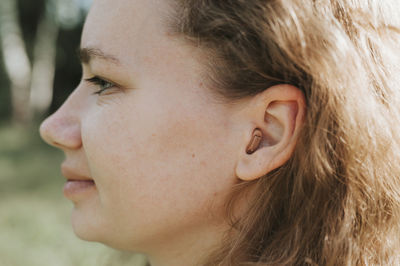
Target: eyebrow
{"points": [[87, 54]]}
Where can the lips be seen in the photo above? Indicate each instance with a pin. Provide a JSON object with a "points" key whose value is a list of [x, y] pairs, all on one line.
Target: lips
{"points": [[78, 186], [72, 175]]}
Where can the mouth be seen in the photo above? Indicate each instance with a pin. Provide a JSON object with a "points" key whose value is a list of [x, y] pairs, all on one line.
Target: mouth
{"points": [[74, 188], [77, 186]]}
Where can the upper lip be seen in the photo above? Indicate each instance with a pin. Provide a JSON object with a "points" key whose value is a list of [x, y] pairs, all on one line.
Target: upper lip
{"points": [[72, 175]]}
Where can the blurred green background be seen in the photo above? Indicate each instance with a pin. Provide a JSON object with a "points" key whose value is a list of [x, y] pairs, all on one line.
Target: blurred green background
{"points": [[38, 70]]}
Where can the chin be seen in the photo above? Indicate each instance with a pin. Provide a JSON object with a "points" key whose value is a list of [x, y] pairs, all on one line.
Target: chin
{"points": [[86, 220], [85, 225], [89, 227]]}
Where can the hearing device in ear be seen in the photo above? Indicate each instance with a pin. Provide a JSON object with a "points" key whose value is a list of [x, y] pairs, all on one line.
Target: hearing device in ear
{"points": [[255, 141]]}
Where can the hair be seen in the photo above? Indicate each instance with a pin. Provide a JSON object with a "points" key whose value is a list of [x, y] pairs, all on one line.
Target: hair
{"points": [[337, 200]]}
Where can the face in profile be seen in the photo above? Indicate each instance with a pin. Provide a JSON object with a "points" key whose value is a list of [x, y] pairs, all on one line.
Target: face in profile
{"points": [[148, 153], [151, 154]]}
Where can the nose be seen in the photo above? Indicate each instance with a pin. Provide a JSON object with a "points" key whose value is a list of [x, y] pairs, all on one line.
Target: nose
{"points": [[62, 129]]}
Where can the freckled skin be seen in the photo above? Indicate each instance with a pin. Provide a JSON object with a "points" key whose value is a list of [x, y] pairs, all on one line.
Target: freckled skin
{"points": [[161, 153]]}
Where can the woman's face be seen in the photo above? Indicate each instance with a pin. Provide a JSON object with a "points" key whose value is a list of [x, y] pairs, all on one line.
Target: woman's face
{"points": [[159, 149]]}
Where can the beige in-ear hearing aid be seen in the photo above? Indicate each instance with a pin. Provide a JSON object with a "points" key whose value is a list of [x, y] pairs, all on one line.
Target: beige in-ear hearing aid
{"points": [[255, 141]]}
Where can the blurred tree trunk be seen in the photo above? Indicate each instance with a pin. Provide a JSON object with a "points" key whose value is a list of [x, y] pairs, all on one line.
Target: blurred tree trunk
{"points": [[16, 60], [44, 64], [31, 86]]}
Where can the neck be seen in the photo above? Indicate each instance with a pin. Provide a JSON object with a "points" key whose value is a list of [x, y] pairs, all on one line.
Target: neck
{"points": [[187, 249]]}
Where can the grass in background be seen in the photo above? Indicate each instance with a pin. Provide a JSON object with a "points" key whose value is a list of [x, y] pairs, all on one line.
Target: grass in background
{"points": [[34, 217]]}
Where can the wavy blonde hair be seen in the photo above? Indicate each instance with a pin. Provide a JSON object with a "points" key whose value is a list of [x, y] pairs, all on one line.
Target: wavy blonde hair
{"points": [[337, 200]]}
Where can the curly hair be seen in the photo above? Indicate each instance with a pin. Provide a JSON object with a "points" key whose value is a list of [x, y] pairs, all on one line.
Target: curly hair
{"points": [[337, 200]]}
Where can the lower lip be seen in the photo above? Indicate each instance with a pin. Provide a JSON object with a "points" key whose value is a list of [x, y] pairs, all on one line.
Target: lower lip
{"points": [[78, 188]]}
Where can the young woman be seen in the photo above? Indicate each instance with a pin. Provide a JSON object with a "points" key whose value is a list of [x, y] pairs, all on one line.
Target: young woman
{"points": [[262, 132]]}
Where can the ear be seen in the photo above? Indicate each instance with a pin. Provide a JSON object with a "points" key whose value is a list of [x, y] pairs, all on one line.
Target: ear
{"points": [[278, 113]]}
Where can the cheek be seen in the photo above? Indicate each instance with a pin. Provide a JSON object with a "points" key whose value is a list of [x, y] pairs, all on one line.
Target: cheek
{"points": [[157, 162]]}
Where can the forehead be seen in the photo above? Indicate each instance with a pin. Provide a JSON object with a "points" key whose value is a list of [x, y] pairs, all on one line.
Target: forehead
{"points": [[124, 27]]}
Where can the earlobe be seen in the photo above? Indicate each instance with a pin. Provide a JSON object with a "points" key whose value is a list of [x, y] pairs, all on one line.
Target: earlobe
{"points": [[272, 142]]}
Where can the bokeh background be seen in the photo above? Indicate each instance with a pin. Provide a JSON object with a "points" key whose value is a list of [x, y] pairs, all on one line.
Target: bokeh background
{"points": [[38, 70]]}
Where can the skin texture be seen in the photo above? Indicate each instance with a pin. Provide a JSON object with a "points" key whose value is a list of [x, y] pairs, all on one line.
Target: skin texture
{"points": [[162, 152]]}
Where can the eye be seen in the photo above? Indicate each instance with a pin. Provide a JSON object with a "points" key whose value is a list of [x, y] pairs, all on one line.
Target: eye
{"points": [[101, 83]]}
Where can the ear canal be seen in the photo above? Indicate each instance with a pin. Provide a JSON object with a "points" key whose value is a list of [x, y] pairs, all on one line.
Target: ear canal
{"points": [[255, 141]]}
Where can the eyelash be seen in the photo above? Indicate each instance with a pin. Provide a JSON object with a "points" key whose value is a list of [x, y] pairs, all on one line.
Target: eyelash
{"points": [[103, 84]]}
